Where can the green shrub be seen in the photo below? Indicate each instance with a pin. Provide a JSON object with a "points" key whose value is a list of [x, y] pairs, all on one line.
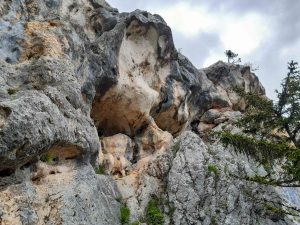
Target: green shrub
{"points": [[275, 211], [153, 215], [11, 91], [213, 169], [213, 221], [100, 169], [124, 215]]}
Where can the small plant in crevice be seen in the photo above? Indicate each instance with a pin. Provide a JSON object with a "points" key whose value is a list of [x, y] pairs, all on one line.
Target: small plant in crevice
{"points": [[213, 221], [47, 158], [124, 215], [213, 169], [274, 211], [100, 169], [12, 91], [153, 215]]}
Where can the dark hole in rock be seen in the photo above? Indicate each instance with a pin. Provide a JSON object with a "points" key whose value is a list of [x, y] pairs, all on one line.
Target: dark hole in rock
{"points": [[118, 173], [6, 172], [136, 155], [70, 158], [8, 60], [194, 126], [35, 179]]}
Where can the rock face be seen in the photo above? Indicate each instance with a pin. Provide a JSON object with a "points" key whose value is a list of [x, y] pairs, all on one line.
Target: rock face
{"points": [[58, 194], [85, 87], [204, 188]]}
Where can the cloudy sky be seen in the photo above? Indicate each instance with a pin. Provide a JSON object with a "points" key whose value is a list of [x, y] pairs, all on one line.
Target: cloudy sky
{"points": [[265, 33]]}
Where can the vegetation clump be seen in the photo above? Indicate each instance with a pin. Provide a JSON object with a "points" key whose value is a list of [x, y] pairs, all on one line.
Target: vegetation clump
{"points": [[213, 169], [271, 130], [153, 215], [100, 169], [231, 57], [47, 158], [213, 221], [124, 215], [11, 91]]}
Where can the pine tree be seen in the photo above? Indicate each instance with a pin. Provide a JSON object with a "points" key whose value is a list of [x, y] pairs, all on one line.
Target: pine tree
{"points": [[231, 56], [271, 131]]}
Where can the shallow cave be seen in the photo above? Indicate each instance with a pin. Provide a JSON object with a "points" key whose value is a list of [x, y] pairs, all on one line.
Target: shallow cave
{"points": [[125, 107], [62, 152]]}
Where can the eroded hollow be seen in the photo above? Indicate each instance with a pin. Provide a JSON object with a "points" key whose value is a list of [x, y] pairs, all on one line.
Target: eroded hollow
{"points": [[125, 107], [57, 160], [62, 152]]}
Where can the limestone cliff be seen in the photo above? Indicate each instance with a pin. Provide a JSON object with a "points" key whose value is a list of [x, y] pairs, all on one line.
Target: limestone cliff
{"points": [[85, 88]]}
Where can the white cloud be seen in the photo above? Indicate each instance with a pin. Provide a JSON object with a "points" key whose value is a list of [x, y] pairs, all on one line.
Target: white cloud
{"points": [[186, 19], [212, 58], [242, 34]]}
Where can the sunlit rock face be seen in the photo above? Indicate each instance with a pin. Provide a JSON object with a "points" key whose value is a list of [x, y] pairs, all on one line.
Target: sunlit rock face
{"points": [[143, 65], [94, 108]]}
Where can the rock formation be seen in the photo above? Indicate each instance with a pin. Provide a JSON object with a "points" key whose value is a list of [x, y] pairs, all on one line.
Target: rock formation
{"points": [[85, 88]]}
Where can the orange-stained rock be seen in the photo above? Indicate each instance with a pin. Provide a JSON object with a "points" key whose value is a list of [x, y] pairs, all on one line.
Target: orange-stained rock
{"points": [[116, 154]]}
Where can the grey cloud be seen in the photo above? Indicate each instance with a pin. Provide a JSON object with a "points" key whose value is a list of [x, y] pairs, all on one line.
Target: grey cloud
{"points": [[197, 49]]}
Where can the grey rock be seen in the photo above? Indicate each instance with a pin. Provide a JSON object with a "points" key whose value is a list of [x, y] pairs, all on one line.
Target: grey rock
{"points": [[64, 66], [74, 71], [204, 187], [73, 195], [210, 116], [229, 75]]}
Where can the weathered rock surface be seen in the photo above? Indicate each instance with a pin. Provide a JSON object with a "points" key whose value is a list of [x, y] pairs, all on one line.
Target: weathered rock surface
{"points": [[60, 194], [204, 187], [83, 85]]}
